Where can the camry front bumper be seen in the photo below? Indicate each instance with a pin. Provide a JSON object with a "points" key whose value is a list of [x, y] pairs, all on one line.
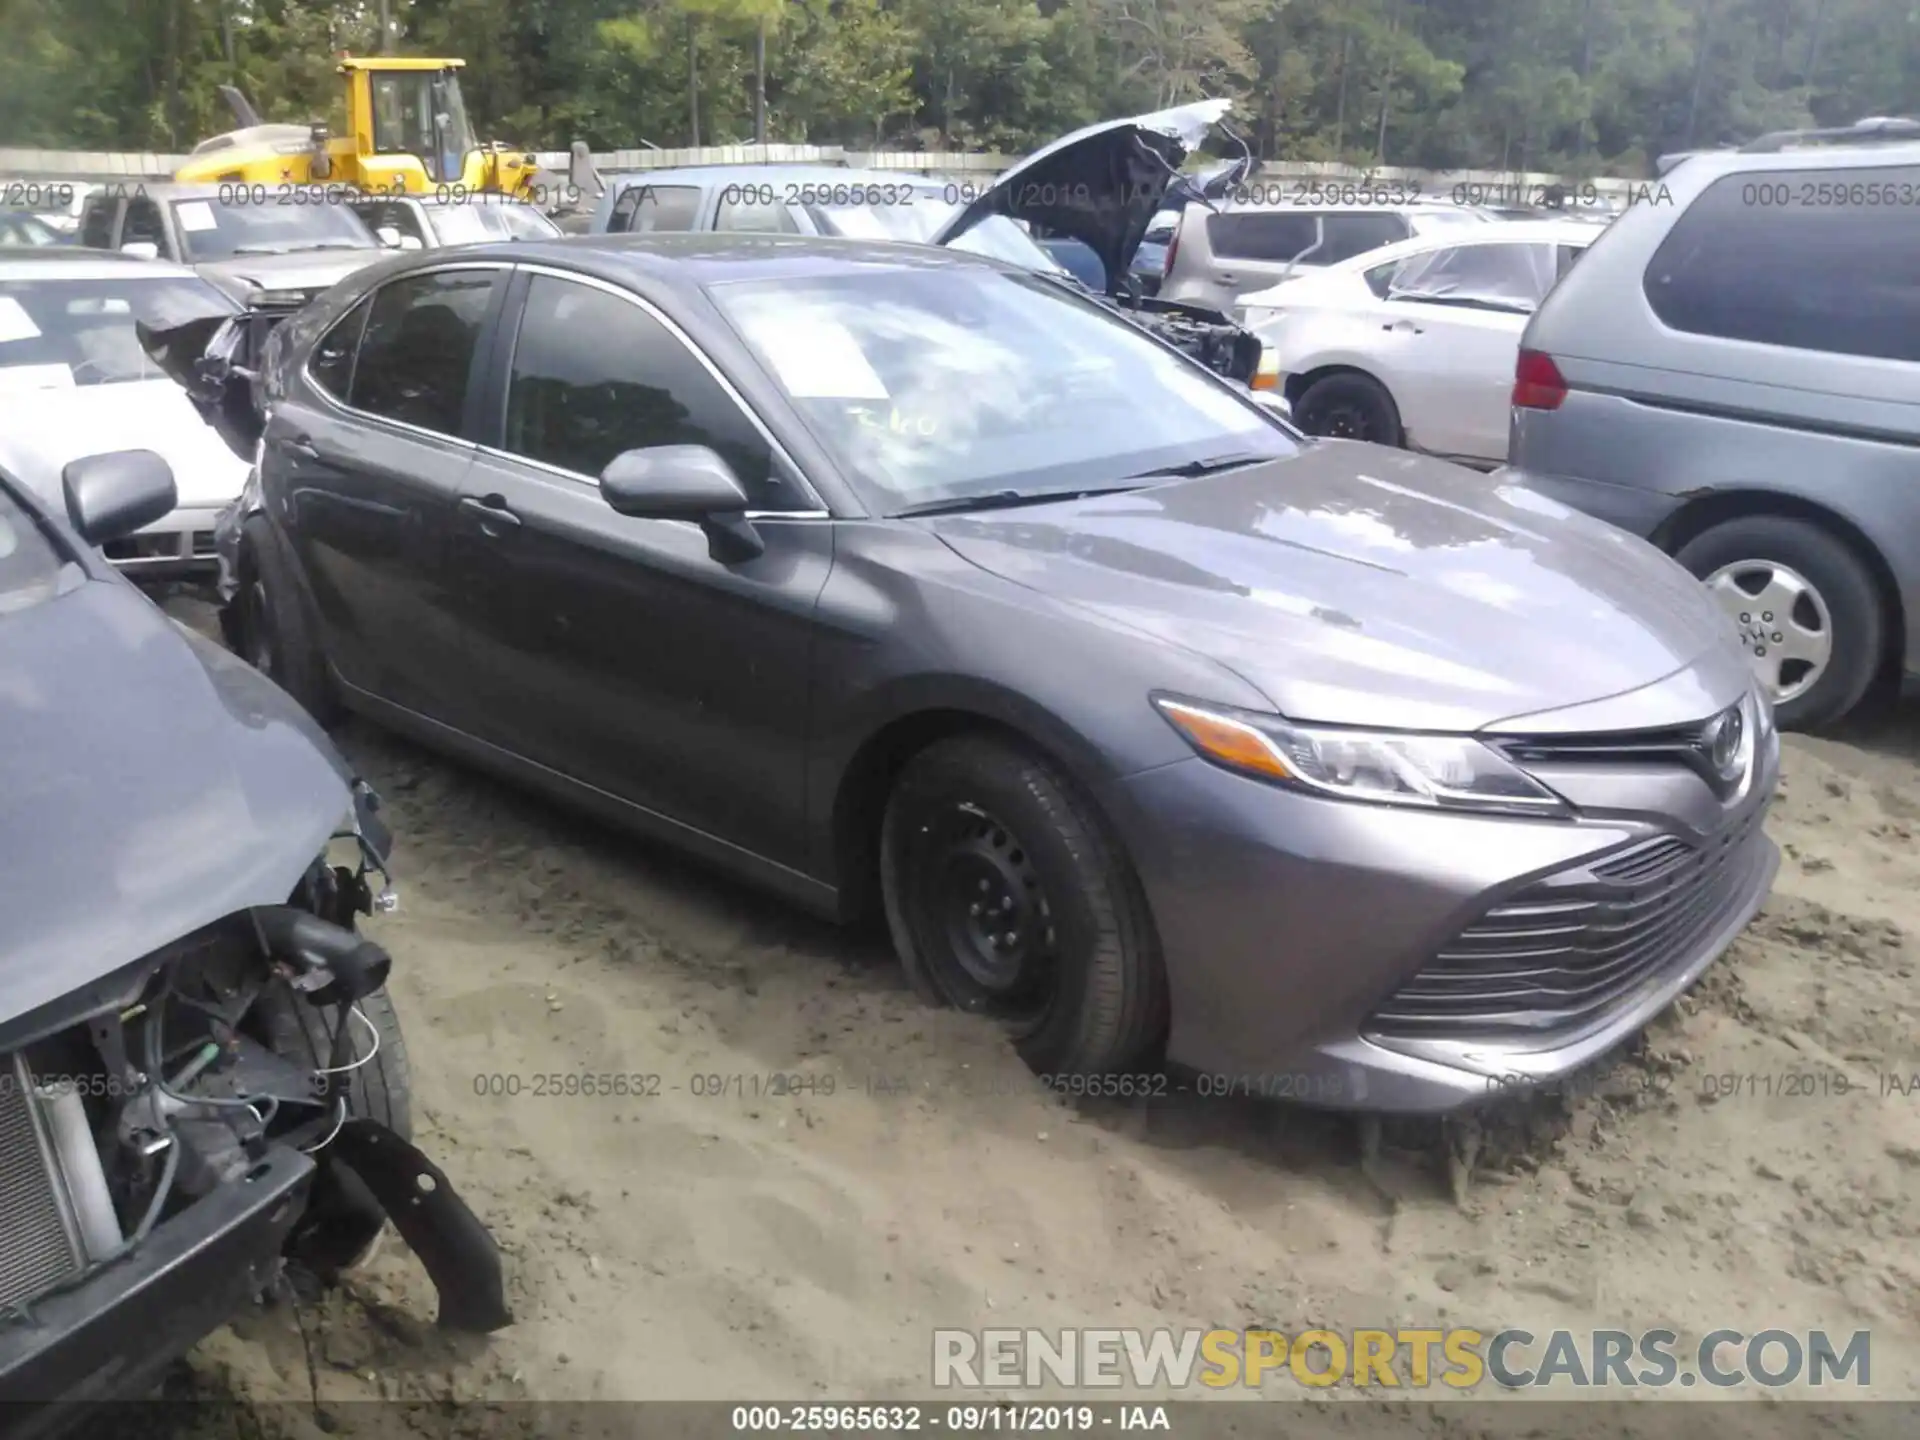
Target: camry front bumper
{"points": [[1378, 958]]}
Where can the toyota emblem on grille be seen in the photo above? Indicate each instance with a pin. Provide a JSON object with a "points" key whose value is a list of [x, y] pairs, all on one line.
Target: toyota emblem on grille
{"points": [[1723, 740]]}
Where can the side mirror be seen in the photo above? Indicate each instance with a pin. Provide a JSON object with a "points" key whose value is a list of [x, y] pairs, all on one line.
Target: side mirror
{"points": [[141, 249], [684, 482], [388, 236], [112, 495], [411, 242], [1274, 401]]}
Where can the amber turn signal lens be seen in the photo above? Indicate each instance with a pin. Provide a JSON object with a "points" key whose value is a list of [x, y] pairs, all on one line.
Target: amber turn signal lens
{"points": [[1231, 742]]}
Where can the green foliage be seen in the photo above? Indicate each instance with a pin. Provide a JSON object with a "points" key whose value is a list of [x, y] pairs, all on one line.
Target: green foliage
{"points": [[1574, 85]]}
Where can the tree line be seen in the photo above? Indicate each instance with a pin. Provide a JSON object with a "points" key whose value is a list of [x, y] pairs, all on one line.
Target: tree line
{"points": [[1579, 86]]}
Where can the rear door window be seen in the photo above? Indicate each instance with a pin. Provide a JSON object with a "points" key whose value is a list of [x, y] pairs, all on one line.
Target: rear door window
{"points": [[741, 209], [145, 223], [1821, 260], [96, 222], [1345, 236], [1262, 235], [416, 357], [644, 209], [1493, 277]]}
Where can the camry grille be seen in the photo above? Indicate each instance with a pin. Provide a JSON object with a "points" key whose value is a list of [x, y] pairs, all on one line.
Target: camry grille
{"points": [[1562, 952]]}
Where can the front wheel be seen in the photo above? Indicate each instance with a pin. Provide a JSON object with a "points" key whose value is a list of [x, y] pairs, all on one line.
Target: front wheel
{"points": [[1806, 608], [272, 627], [1007, 897]]}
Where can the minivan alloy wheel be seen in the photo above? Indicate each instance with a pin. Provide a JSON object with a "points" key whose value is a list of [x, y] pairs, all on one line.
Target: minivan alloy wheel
{"points": [[1784, 623]]}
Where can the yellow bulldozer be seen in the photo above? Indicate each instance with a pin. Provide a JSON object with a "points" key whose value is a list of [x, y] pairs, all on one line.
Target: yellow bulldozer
{"points": [[407, 132]]}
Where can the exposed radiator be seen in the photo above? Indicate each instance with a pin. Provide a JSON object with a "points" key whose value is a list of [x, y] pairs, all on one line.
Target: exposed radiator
{"points": [[38, 1244]]}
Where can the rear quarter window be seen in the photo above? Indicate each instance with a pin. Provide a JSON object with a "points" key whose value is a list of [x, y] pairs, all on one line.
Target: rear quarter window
{"points": [[1261, 235], [1818, 260]]}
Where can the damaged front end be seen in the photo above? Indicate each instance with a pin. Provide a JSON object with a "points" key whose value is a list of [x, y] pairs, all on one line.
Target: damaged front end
{"points": [[1102, 186], [176, 1133], [217, 361]]}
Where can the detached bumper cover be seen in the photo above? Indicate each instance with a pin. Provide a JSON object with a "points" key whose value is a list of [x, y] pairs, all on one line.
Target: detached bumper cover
{"points": [[111, 1337]]}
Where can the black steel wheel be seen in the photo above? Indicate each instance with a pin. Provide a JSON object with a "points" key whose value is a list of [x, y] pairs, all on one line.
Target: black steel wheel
{"points": [[1006, 897], [1349, 406]]}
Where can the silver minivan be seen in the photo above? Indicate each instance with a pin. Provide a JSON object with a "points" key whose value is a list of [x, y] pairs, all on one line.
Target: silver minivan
{"points": [[1733, 372], [1218, 254]]}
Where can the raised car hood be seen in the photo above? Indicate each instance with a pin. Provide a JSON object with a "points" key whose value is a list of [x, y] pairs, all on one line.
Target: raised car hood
{"points": [[47, 428], [1101, 185], [150, 784], [1366, 586], [244, 276]]}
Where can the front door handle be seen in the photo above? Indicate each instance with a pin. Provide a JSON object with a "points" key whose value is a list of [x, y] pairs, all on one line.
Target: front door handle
{"points": [[303, 447], [1404, 325], [491, 515]]}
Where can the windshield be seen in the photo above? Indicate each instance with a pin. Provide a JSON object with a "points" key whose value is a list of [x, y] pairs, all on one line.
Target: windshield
{"points": [[488, 217], [937, 385], [17, 227], [59, 333], [212, 230], [29, 564], [422, 113], [920, 220]]}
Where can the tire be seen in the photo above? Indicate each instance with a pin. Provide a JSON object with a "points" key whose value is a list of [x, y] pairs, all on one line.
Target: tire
{"points": [[273, 630], [343, 1223], [1083, 991], [1349, 406], [1732, 557]]}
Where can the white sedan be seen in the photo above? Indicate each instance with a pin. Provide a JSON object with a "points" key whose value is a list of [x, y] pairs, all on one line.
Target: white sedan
{"points": [[75, 380], [1414, 343]]}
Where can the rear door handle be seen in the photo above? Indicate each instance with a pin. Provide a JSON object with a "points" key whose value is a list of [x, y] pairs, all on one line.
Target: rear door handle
{"points": [[1406, 325], [490, 514]]}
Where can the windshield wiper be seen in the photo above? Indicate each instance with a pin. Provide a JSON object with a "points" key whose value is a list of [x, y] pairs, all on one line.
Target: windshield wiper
{"points": [[1208, 465], [298, 249], [1007, 500]]}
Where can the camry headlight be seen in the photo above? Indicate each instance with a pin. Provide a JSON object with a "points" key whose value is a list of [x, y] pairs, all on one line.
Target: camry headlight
{"points": [[1441, 772]]}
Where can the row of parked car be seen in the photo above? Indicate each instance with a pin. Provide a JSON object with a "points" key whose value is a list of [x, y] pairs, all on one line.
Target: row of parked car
{"points": [[923, 585]]}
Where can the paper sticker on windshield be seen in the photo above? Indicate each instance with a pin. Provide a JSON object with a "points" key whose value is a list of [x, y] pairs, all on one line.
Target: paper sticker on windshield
{"points": [[15, 323], [819, 362], [195, 215], [14, 378]]}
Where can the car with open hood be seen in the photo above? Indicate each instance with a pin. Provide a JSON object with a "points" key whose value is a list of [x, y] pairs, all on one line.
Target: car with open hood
{"points": [[1100, 187], [202, 1076], [1152, 729]]}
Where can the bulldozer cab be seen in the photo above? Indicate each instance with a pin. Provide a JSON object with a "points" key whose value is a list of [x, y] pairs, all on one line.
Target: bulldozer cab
{"points": [[410, 108]]}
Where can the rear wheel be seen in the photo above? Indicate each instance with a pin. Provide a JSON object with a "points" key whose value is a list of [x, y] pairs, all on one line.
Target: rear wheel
{"points": [[1349, 406], [1806, 607], [1006, 897], [273, 632]]}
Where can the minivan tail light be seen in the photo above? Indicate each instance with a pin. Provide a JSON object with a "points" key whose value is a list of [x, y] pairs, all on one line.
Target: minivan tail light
{"points": [[1173, 246], [1537, 382]]}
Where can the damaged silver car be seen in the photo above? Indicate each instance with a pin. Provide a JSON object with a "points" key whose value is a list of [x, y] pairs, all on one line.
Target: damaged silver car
{"points": [[202, 1076]]}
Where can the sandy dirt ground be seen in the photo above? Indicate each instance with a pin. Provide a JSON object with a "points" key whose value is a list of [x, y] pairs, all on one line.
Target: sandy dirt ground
{"points": [[717, 1240]]}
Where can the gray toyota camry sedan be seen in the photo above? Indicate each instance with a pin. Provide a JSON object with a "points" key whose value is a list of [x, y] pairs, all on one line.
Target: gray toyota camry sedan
{"points": [[914, 585]]}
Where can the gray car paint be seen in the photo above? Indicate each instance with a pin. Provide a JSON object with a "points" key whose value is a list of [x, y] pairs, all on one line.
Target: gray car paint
{"points": [[151, 783], [1349, 584]]}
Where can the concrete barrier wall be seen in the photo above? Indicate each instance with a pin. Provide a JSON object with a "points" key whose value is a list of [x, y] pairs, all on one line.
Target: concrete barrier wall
{"points": [[83, 165]]}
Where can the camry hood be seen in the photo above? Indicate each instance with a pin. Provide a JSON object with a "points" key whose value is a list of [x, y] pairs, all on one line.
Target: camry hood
{"points": [[1365, 586], [151, 783], [1102, 185], [47, 428], [308, 272]]}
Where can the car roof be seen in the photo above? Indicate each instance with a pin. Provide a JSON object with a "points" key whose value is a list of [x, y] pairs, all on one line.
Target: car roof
{"points": [[1707, 165], [705, 175], [25, 262], [1295, 207], [1512, 232], [695, 259]]}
